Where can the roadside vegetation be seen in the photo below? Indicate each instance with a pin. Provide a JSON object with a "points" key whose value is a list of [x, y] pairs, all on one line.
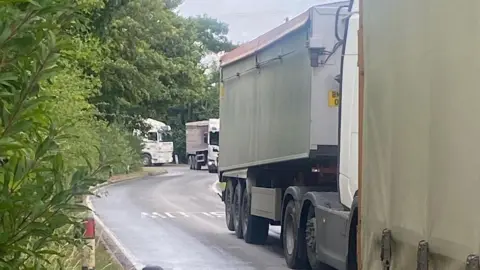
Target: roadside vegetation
{"points": [[76, 76]]}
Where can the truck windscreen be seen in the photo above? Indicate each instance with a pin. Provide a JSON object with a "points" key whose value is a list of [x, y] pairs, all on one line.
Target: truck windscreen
{"points": [[214, 138], [166, 136]]}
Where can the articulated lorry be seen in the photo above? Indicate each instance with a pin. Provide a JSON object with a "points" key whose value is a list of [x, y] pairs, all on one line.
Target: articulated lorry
{"points": [[300, 155], [202, 139], [157, 143], [289, 142]]}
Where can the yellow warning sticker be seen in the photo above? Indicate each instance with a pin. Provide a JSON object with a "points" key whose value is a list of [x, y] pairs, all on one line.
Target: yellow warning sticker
{"points": [[333, 98]]}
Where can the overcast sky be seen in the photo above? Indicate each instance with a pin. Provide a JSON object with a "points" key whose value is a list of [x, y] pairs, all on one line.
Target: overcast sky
{"points": [[247, 19]]}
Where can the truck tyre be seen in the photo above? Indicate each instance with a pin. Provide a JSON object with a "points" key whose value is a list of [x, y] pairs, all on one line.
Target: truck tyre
{"points": [[236, 210], [198, 165], [255, 229], [295, 258], [311, 243], [146, 160], [229, 191]]}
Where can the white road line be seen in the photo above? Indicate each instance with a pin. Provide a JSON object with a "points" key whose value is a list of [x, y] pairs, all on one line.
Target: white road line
{"points": [[218, 214], [143, 215], [207, 214], [169, 215], [133, 260], [183, 214], [155, 214], [174, 215]]}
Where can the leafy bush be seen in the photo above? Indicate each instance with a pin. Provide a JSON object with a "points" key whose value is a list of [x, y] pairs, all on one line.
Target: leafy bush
{"points": [[60, 73], [50, 141], [120, 147]]}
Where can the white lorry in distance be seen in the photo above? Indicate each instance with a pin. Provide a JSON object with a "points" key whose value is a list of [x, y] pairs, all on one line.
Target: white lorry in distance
{"points": [[157, 143], [202, 139]]}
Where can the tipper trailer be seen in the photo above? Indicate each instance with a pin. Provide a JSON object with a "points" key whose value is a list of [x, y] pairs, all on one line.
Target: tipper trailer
{"points": [[202, 139], [290, 136]]}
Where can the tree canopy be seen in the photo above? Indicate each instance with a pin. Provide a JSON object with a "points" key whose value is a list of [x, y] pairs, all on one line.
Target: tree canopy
{"points": [[76, 76]]}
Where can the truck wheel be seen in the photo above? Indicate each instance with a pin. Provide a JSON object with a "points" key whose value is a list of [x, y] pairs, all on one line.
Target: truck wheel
{"points": [[229, 191], [198, 165], [294, 256], [255, 229], [236, 209], [311, 243], [146, 160]]}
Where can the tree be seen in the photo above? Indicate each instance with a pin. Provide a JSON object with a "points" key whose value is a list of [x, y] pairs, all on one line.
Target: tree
{"points": [[153, 63], [212, 33], [49, 135], [37, 186]]}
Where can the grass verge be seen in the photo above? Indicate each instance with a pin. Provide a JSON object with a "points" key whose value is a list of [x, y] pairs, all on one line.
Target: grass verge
{"points": [[146, 171], [104, 260]]}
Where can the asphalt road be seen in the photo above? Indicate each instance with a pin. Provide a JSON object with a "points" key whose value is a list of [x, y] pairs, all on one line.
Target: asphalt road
{"points": [[176, 221]]}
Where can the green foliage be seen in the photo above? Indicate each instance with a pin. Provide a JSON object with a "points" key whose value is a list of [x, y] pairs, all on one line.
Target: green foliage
{"points": [[49, 136], [121, 147], [153, 62], [37, 189], [75, 77], [212, 33], [154, 58]]}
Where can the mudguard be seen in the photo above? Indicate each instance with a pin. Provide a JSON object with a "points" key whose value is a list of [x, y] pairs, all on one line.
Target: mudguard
{"points": [[332, 227], [298, 194]]}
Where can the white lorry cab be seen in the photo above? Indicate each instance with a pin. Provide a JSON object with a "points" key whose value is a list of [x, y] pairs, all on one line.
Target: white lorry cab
{"points": [[157, 143], [202, 139]]}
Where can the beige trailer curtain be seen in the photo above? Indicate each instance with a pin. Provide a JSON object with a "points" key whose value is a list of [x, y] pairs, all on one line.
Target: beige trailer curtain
{"points": [[421, 158]]}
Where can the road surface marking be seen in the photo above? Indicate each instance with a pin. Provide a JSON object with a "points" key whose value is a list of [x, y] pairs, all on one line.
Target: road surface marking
{"points": [[146, 215], [218, 214], [183, 214], [169, 215], [174, 215], [155, 214], [207, 214]]}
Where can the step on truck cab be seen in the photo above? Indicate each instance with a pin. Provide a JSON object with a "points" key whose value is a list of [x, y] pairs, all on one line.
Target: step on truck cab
{"points": [[289, 107], [202, 139]]}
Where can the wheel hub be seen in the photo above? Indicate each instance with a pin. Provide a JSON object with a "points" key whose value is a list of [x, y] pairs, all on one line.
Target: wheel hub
{"points": [[290, 235]]}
